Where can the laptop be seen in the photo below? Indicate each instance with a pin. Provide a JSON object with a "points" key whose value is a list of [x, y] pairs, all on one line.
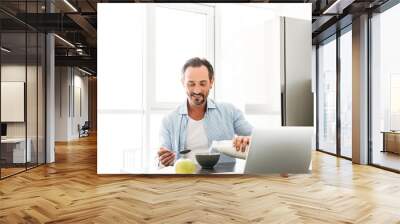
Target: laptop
{"points": [[279, 150]]}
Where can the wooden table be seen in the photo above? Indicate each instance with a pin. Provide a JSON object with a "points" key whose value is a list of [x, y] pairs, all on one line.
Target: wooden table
{"points": [[13, 151], [391, 141], [220, 168]]}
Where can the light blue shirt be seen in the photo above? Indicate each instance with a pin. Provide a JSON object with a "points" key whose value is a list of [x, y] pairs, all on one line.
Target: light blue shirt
{"points": [[221, 122]]}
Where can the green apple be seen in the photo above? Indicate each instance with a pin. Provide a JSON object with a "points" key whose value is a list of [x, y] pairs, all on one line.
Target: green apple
{"points": [[185, 166]]}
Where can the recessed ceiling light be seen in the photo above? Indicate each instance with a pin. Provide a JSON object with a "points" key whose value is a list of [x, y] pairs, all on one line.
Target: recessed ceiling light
{"points": [[64, 40], [70, 5], [5, 50], [84, 71], [338, 6]]}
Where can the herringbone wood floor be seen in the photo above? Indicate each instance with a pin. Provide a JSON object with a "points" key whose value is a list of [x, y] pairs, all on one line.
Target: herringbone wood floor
{"points": [[70, 191]]}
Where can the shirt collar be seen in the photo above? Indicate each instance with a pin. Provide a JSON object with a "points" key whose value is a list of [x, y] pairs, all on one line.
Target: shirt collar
{"points": [[183, 107]]}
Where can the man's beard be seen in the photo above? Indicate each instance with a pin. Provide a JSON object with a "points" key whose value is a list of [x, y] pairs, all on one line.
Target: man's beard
{"points": [[197, 99]]}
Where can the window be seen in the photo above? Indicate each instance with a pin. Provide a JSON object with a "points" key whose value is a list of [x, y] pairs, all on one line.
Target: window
{"points": [[394, 102], [22, 93], [385, 88], [327, 96], [120, 88], [248, 75], [346, 94], [148, 74], [180, 33], [333, 137], [128, 69], [120, 134]]}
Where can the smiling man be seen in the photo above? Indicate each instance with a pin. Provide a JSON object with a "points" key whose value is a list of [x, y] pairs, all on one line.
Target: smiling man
{"points": [[200, 120]]}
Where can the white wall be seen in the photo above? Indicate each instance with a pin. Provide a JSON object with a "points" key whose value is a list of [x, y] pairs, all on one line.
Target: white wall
{"points": [[61, 103], [69, 82], [15, 72], [33, 127], [80, 83]]}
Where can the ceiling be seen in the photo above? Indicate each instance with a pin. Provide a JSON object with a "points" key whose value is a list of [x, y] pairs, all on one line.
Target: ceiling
{"points": [[76, 22]]}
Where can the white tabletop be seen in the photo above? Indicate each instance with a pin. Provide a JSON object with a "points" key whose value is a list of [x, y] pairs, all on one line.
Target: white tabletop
{"points": [[13, 140]]}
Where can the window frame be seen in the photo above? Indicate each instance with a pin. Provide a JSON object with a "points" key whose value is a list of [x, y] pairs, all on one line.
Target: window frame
{"points": [[149, 53], [334, 37], [248, 108], [150, 104], [391, 112]]}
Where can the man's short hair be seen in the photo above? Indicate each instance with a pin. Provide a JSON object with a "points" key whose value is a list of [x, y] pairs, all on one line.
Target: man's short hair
{"points": [[198, 62]]}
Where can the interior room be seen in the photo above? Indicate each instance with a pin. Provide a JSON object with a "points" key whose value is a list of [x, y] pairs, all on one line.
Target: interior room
{"points": [[385, 92], [247, 70], [22, 104], [87, 88]]}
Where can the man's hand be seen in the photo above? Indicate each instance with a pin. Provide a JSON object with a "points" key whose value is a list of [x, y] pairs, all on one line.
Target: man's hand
{"points": [[166, 156], [241, 142]]}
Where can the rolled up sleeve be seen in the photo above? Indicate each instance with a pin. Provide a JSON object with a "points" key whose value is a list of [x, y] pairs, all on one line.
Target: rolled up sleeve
{"points": [[165, 134], [241, 125]]}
